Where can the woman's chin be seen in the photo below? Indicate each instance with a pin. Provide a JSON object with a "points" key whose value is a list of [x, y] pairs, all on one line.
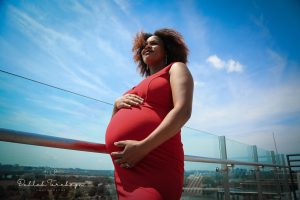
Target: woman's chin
{"points": [[146, 60]]}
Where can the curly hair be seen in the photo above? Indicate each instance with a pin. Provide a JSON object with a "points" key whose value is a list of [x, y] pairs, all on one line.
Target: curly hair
{"points": [[175, 47]]}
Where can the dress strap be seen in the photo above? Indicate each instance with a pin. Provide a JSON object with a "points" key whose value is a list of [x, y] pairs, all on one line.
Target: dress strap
{"points": [[162, 71], [167, 68]]}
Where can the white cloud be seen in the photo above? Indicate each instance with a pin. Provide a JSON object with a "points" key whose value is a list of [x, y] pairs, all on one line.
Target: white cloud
{"points": [[230, 65], [216, 62], [234, 66]]}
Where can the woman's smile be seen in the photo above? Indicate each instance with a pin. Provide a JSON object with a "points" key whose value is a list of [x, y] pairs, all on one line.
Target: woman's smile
{"points": [[147, 51]]}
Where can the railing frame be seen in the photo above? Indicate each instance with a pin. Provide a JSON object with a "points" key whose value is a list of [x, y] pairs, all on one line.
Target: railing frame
{"points": [[257, 172], [8, 135]]}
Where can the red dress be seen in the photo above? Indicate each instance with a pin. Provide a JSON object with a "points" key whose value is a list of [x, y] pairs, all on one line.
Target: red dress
{"points": [[159, 175]]}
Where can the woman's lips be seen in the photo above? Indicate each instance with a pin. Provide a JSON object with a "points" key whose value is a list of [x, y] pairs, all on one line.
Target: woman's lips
{"points": [[147, 52]]}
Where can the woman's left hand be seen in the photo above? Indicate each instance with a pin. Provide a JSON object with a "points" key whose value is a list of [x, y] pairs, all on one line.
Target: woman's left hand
{"points": [[132, 153]]}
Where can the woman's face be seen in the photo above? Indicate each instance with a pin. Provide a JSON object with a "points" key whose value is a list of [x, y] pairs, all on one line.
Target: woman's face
{"points": [[154, 52]]}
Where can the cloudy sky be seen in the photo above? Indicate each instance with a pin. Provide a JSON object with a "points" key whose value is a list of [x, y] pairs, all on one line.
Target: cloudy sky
{"points": [[244, 57]]}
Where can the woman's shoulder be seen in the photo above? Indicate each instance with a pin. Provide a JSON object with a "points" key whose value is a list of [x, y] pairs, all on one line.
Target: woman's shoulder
{"points": [[178, 66]]}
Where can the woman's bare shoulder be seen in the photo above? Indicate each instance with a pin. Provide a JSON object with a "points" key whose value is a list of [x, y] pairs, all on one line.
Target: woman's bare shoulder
{"points": [[178, 67]]}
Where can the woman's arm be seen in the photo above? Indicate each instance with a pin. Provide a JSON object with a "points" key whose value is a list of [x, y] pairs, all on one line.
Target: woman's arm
{"points": [[181, 82], [182, 85]]}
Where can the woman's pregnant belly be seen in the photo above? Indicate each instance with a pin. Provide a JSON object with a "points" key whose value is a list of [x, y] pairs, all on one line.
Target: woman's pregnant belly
{"points": [[135, 123]]}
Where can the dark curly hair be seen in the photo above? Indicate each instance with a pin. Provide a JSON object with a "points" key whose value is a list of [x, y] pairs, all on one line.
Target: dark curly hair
{"points": [[175, 47]]}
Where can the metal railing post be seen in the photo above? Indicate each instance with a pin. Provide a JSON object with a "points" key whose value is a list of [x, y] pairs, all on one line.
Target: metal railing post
{"points": [[285, 177], [225, 169], [257, 172], [276, 176]]}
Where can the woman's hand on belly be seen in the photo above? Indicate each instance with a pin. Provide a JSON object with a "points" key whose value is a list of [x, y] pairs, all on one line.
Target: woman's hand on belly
{"points": [[132, 153], [128, 100]]}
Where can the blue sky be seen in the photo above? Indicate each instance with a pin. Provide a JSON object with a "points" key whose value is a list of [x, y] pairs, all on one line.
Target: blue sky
{"points": [[244, 57]]}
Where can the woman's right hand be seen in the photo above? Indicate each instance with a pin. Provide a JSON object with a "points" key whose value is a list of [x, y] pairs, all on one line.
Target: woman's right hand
{"points": [[127, 100]]}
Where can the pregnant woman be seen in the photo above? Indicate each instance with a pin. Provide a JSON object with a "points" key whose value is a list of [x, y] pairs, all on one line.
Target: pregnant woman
{"points": [[143, 136]]}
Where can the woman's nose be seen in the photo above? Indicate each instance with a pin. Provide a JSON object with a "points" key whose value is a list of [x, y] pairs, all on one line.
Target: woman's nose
{"points": [[148, 46]]}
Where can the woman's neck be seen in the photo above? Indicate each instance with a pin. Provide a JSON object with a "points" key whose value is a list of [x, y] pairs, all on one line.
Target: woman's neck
{"points": [[156, 68]]}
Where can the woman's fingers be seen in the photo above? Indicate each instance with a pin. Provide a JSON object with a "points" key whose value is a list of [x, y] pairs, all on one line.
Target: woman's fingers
{"points": [[129, 100], [126, 165], [123, 163], [130, 155], [121, 160], [132, 102], [135, 98], [124, 105], [120, 157], [138, 98]]}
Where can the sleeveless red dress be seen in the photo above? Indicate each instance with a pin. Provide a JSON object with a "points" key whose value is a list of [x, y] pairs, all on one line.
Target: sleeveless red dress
{"points": [[159, 175]]}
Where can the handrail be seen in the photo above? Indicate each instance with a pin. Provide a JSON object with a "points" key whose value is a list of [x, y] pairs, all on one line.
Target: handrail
{"points": [[228, 162], [8, 135]]}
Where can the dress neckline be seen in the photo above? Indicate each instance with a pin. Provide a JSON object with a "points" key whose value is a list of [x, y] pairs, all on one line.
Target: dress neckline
{"points": [[168, 66]]}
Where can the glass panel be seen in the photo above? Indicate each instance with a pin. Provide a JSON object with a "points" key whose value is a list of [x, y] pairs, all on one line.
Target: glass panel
{"points": [[284, 159], [32, 172], [238, 151], [242, 182], [200, 143], [264, 156], [30, 155], [278, 159], [31, 107], [202, 181]]}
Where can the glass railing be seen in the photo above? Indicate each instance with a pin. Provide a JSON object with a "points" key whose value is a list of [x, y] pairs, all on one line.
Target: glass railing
{"points": [[32, 107], [200, 143], [202, 181], [264, 156], [238, 151], [35, 172]]}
